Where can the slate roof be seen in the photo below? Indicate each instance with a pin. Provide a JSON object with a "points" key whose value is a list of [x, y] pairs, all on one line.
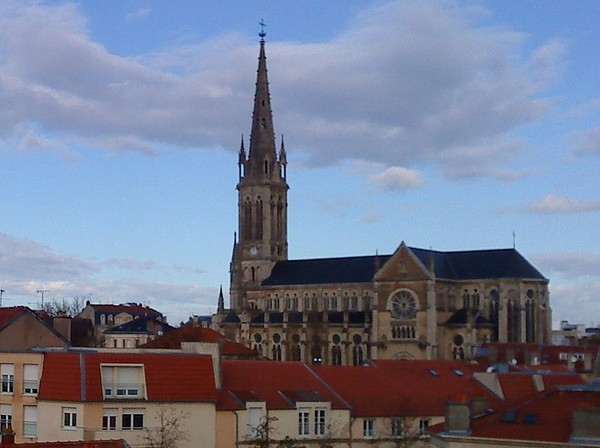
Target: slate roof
{"points": [[458, 265], [140, 325], [190, 333], [76, 376]]}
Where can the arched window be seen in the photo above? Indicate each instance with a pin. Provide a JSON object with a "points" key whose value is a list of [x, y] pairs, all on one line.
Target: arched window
{"points": [[259, 218], [336, 350], [295, 352], [530, 320], [357, 351], [354, 302], [102, 319], [466, 300], [276, 350]]}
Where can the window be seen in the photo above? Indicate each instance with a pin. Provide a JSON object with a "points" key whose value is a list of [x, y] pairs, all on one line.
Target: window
{"points": [[254, 414], [8, 378], [30, 418], [109, 420], [319, 422], [5, 415], [423, 425], [368, 428], [132, 419], [69, 417], [30, 379], [397, 427], [123, 381], [303, 427]]}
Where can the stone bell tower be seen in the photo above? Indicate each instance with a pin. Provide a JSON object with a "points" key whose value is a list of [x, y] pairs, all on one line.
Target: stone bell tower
{"points": [[262, 199]]}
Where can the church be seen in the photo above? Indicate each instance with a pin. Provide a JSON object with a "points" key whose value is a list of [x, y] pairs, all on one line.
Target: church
{"points": [[414, 303]]}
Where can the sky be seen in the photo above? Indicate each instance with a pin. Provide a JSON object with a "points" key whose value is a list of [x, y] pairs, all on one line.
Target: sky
{"points": [[450, 125]]}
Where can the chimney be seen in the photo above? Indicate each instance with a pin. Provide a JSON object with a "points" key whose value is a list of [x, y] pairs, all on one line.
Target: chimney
{"points": [[586, 425], [8, 437], [458, 418], [62, 324]]}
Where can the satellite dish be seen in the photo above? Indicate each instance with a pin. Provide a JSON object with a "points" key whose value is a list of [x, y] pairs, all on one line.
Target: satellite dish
{"points": [[513, 362], [574, 358]]}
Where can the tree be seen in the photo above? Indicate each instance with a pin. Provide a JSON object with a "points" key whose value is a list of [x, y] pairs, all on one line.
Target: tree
{"points": [[64, 307], [168, 430]]}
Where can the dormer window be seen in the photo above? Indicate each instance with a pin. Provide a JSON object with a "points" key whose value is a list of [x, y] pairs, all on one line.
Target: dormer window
{"points": [[123, 381]]}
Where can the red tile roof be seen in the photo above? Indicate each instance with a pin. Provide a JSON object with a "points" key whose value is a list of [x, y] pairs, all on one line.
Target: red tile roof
{"points": [[278, 383], [190, 333], [8, 313], [169, 377], [403, 387], [517, 387], [553, 418]]}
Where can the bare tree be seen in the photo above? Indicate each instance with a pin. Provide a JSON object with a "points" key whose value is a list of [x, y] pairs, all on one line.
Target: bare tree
{"points": [[168, 430], [64, 307]]}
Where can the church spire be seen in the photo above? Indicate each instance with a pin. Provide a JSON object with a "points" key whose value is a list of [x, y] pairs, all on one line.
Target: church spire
{"points": [[262, 156]]}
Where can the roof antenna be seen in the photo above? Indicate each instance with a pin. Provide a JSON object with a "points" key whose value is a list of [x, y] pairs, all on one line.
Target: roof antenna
{"points": [[514, 235]]}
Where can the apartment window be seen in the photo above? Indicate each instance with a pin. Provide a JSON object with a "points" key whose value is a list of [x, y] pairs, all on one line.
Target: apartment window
{"points": [[69, 418], [368, 428], [30, 379], [423, 425], [109, 419], [397, 427], [319, 422], [123, 381], [132, 419], [303, 427], [30, 419], [254, 414], [8, 378], [5, 415]]}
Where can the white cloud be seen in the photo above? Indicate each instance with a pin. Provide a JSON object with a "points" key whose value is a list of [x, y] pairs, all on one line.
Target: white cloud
{"points": [[576, 302], [569, 265], [387, 90], [588, 142], [28, 266], [397, 178], [554, 204], [139, 14]]}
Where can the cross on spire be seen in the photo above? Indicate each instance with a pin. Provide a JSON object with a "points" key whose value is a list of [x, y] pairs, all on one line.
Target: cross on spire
{"points": [[262, 33]]}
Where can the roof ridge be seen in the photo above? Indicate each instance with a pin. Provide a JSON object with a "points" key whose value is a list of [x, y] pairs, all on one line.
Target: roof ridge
{"points": [[327, 385]]}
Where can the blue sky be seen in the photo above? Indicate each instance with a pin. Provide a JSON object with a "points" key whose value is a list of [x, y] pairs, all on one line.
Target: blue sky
{"points": [[444, 124]]}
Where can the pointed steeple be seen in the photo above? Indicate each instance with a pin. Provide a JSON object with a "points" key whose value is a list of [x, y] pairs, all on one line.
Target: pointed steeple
{"points": [[262, 154], [221, 301]]}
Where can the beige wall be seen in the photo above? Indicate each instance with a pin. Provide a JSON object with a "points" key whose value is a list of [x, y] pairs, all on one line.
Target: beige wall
{"points": [[18, 399], [283, 423], [198, 421], [27, 332]]}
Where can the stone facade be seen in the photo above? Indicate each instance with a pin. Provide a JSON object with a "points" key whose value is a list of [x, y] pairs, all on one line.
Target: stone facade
{"points": [[414, 303]]}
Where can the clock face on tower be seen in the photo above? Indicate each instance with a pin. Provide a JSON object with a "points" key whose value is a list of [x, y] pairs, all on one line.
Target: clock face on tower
{"points": [[253, 251], [404, 305]]}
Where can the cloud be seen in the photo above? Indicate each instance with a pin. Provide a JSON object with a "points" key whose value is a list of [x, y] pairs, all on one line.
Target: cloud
{"points": [[554, 204], [28, 266], [138, 14], [133, 265], [574, 300], [397, 178], [388, 89], [191, 269], [569, 265], [588, 142]]}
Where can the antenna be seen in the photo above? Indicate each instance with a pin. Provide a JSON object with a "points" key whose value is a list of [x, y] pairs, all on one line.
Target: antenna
{"points": [[514, 235], [42, 292], [1, 292]]}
